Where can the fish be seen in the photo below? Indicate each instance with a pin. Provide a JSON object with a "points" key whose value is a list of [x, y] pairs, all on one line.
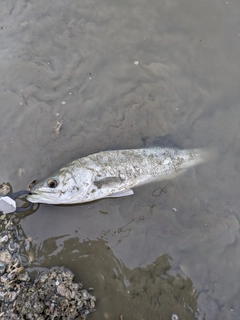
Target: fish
{"points": [[109, 174]]}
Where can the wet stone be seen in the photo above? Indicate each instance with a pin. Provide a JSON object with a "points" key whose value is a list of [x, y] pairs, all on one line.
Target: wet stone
{"points": [[4, 189], [2, 268], [53, 294], [5, 257]]}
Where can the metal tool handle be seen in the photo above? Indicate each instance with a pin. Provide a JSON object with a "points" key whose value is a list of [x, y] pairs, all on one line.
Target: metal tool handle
{"points": [[8, 203]]}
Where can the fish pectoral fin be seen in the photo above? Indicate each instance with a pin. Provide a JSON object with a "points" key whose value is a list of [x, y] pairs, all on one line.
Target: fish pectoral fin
{"points": [[119, 194], [107, 182]]}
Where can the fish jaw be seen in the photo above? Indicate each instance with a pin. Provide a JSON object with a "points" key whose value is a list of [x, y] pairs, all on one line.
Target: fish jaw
{"points": [[39, 198], [52, 198], [40, 194], [42, 198]]}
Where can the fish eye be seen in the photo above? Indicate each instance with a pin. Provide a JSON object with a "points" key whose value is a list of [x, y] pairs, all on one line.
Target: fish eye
{"points": [[52, 183]]}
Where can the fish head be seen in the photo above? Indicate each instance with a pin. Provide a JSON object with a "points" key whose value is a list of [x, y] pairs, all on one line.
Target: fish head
{"points": [[63, 187]]}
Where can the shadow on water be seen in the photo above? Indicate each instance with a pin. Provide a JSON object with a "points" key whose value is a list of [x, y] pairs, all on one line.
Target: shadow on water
{"points": [[149, 292]]}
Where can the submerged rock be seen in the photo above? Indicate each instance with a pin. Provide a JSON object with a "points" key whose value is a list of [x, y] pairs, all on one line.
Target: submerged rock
{"points": [[52, 295]]}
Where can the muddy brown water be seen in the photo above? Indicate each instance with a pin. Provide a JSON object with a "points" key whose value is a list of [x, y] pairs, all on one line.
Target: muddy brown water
{"points": [[118, 73]]}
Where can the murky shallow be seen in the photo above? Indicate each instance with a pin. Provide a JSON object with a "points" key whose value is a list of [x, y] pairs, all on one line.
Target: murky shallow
{"points": [[119, 74]]}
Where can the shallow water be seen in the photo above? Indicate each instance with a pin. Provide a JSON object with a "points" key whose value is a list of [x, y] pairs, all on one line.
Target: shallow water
{"points": [[76, 62]]}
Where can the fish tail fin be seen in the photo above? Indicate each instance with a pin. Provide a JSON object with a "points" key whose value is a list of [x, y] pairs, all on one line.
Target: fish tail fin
{"points": [[199, 156]]}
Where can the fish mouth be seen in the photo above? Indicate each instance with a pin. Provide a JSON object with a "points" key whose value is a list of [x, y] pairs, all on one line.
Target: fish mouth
{"points": [[31, 198], [37, 197]]}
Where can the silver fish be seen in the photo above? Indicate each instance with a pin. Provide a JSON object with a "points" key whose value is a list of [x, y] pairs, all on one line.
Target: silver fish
{"points": [[113, 174]]}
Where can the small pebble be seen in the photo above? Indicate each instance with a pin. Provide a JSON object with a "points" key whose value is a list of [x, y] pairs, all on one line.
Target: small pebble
{"points": [[2, 268], [175, 317], [5, 257], [136, 63], [70, 92], [174, 209], [64, 102], [84, 312], [4, 238], [57, 114], [4, 189]]}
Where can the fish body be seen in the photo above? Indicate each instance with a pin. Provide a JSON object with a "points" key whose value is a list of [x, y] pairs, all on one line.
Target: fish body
{"points": [[113, 174]]}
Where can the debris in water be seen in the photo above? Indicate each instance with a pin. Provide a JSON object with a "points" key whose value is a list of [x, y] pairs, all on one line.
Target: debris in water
{"points": [[28, 242], [21, 171], [5, 27], [4, 189], [58, 127]]}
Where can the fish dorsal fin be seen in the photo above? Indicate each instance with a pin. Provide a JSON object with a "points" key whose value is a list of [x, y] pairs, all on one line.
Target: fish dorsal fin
{"points": [[119, 194], [162, 141]]}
